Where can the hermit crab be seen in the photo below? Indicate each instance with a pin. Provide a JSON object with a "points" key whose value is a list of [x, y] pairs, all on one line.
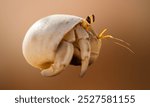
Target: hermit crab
{"points": [[54, 42]]}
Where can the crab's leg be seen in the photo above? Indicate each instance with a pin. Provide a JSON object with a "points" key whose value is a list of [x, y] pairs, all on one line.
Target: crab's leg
{"points": [[85, 47], [63, 57]]}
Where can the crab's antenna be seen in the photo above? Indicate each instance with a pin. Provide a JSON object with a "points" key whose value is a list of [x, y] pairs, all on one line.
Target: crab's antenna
{"points": [[121, 41], [102, 36], [124, 47]]}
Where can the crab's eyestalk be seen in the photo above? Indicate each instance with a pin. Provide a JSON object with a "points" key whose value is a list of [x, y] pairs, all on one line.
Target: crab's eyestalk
{"points": [[90, 19], [102, 36]]}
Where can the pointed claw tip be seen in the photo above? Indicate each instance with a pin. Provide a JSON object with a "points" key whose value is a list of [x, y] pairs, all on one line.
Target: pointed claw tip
{"points": [[82, 73]]}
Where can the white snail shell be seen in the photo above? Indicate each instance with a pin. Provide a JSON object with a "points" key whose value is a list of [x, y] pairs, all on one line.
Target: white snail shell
{"points": [[54, 42]]}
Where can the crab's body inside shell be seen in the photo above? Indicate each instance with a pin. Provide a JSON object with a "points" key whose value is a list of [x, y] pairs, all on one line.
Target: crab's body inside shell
{"points": [[56, 41]]}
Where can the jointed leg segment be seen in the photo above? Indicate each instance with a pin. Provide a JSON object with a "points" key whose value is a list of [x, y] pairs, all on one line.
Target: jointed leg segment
{"points": [[85, 48], [62, 59]]}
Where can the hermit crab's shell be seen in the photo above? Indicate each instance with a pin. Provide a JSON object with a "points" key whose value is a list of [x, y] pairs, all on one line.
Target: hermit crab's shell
{"points": [[49, 31]]}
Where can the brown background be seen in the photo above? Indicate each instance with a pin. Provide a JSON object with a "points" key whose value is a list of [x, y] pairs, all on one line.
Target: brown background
{"points": [[116, 68]]}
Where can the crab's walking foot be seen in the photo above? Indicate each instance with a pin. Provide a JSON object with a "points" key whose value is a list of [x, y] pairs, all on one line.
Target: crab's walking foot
{"points": [[85, 55], [85, 48]]}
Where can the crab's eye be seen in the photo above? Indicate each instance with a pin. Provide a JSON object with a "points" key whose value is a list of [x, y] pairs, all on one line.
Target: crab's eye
{"points": [[90, 19]]}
